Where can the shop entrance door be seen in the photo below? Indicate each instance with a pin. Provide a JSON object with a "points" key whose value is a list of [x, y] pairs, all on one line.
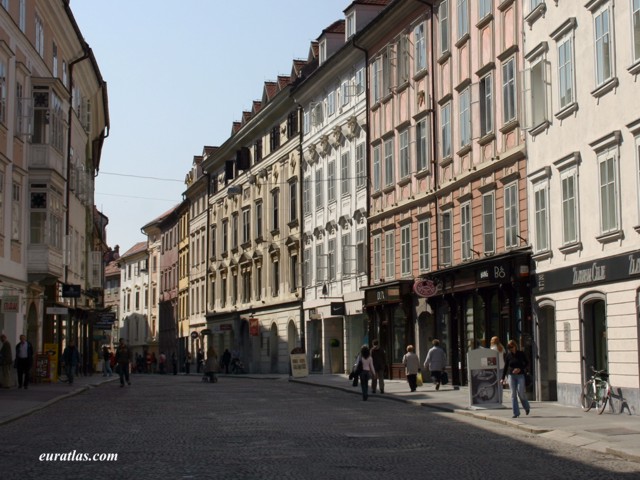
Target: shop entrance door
{"points": [[594, 337]]}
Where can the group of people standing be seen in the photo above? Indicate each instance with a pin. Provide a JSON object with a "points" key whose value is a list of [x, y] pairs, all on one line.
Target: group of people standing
{"points": [[22, 362]]}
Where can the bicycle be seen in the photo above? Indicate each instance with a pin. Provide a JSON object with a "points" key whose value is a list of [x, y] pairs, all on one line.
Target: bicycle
{"points": [[596, 392]]}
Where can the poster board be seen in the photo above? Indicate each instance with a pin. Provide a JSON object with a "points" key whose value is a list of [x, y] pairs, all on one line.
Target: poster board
{"points": [[51, 350], [485, 388], [43, 367], [299, 366]]}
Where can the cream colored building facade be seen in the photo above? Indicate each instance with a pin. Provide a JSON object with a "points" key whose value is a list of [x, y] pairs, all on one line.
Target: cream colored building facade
{"points": [[582, 61]]}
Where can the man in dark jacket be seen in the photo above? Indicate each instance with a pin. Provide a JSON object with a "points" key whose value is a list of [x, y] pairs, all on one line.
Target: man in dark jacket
{"points": [[24, 360], [379, 363], [123, 359], [71, 359]]}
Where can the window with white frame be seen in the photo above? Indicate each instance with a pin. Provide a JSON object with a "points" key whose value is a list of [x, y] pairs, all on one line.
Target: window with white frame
{"points": [[321, 264], [259, 219], [306, 121], [445, 118], [609, 193], [635, 29], [331, 259], [403, 59], [359, 81], [465, 118], [486, 104], [345, 178], [446, 238], [275, 209], [485, 7], [331, 103], [331, 181], [511, 215], [509, 91], [39, 36], [533, 4], [345, 94], [389, 163], [603, 39], [3, 91], [463, 18], [275, 285], [306, 260], [306, 195], [377, 258], [541, 216], [569, 184], [405, 167], [322, 51], [246, 225], [389, 255], [351, 25], [422, 152], [566, 79], [536, 91], [466, 235], [443, 17], [234, 232], [293, 200], [405, 250], [377, 169], [424, 246], [348, 251], [419, 47], [360, 166], [22, 19], [488, 222], [319, 187], [361, 255]]}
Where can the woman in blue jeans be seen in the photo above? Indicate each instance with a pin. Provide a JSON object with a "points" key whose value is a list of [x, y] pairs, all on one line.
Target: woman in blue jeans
{"points": [[515, 364], [367, 371]]}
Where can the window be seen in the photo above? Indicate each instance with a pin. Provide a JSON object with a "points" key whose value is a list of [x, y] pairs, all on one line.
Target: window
{"points": [[246, 286], [377, 180], [405, 250], [344, 174], [376, 82], [331, 181], [246, 226], [234, 231], [604, 58], [347, 254], [23, 15], [389, 177], [306, 122], [422, 153], [259, 219], [537, 92], [322, 52], [389, 255], [319, 186], [541, 213], [331, 103], [351, 24], [361, 256], [466, 236], [635, 32], [405, 167], [565, 72], [533, 4], [3, 91], [424, 246], [403, 59], [275, 203], [445, 115], [275, 286], [508, 91], [488, 222], [569, 184], [293, 200], [306, 195], [486, 105], [321, 268], [446, 243], [465, 118], [608, 175], [16, 210], [360, 81], [39, 36], [484, 8], [511, 215], [377, 258], [306, 272], [420, 48], [331, 259], [54, 49], [463, 18], [360, 166], [345, 93], [274, 138], [443, 15]]}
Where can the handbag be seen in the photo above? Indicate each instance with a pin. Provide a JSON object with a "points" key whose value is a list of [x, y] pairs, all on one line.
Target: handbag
{"points": [[528, 379], [444, 378], [359, 368], [419, 379]]}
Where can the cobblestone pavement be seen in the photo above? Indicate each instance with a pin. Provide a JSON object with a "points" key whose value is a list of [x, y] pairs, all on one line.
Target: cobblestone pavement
{"points": [[176, 427]]}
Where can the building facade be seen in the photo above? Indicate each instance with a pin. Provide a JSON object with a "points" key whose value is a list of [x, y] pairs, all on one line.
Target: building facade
{"points": [[134, 325], [581, 67]]}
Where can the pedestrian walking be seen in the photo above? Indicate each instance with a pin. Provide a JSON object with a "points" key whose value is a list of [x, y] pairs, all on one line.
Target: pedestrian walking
{"points": [[436, 362], [379, 357], [6, 360], [199, 360], [211, 366], [411, 364], [123, 359], [106, 362], [226, 360], [187, 363], [162, 362], [23, 361], [71, 360], [366, 370], [515, 364], [500, 352], [174, 363]]}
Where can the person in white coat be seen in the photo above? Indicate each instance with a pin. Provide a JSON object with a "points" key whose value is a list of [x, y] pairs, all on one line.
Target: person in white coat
{"points": [[411, 364], [436, 362]]}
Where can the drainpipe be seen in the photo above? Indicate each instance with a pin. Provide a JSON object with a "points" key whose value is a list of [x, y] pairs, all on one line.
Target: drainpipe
{"points": [[301, 217]]}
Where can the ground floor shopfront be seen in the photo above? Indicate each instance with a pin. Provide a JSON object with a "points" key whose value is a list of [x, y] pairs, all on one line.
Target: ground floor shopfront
{"points": [[462, 306], [587, 315]]}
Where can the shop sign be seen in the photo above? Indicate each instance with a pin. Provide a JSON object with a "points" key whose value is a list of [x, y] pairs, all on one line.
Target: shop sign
{"points": [[71, 291], [425, 288], [254, 327], [194, 335], [226, 327], [383, 295], [338, 308], [10, 304], [495, 273]]}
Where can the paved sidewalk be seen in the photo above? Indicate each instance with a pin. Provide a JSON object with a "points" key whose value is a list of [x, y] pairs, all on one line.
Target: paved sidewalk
{"points": [[617, 434]]}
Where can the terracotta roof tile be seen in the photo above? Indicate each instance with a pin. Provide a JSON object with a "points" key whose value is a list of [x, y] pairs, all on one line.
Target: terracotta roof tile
{"points": [[137, 248]]}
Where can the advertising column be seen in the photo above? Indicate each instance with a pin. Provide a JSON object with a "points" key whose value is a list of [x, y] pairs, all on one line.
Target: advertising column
{"points": [[484, 379]]}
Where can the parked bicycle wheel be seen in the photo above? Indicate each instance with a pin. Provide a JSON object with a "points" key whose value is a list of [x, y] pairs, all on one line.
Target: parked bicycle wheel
{"points": [[603, 396], [588, 396]]}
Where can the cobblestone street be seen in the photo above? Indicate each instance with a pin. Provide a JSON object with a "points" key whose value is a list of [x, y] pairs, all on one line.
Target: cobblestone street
{"points": [[176, 427]]}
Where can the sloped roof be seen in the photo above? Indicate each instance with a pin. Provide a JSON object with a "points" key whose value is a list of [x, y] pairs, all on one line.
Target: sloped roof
{"points": [[137, 248]]}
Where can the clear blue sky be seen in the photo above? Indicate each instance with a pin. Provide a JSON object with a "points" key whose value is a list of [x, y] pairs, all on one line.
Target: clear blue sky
{"points": [[178, 75]]}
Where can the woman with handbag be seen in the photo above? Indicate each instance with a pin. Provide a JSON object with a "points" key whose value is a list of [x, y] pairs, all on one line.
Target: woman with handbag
{"points": [[515, 364], [411, 364], [367, 370]]}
